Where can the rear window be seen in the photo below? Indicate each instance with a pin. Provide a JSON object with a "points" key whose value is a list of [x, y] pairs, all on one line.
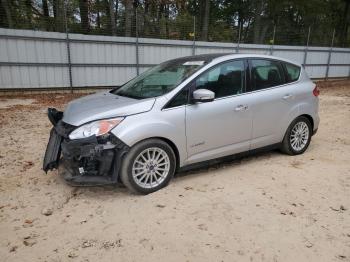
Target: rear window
{"points": [[293, 72]]}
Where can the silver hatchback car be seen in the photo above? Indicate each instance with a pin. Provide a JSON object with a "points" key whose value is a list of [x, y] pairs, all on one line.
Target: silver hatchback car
{"points": [[183, 112]]}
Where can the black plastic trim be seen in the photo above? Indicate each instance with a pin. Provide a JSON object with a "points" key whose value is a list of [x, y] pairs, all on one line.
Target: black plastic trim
{"points": [[229, 158], [54, 115], [166, 106], [52, 152]]}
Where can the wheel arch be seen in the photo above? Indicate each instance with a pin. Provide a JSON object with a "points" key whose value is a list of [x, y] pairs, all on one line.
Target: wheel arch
{"points": [[170, 143], [309, 117], [174, 148], [139, 128]]}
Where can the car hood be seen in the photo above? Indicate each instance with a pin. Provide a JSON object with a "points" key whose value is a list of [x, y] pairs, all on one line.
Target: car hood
{"points": [[103, 105]]}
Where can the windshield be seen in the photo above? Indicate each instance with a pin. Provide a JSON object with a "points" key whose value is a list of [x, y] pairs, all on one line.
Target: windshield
{"points": [[159, 80]]}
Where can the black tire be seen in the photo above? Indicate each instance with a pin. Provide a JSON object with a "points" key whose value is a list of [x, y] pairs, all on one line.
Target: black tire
{"points": [[126, 174], [287, 147]]}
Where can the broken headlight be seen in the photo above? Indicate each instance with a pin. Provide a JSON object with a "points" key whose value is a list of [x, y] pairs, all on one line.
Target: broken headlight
{"points": [[97, 128]]}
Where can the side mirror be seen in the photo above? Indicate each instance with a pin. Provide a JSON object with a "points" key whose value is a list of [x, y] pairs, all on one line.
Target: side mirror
{"points": [[203, 95]]}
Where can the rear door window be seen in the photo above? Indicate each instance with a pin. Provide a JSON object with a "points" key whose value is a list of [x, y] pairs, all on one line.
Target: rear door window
{"points": [[266, 73]]}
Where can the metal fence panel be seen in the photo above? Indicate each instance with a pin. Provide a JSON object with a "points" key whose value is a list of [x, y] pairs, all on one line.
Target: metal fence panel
{"points": [[102, 53], [33, 59], [317, 58], [297, 56], [101, 76], [338, 71], [340, 58], [33, 77], [156, 54], [316, 71]]}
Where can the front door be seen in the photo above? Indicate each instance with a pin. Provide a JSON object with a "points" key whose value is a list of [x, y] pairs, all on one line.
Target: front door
{"points": [[223, 126]]}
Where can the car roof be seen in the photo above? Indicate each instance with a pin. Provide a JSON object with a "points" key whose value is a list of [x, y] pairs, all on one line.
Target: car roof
{"points": [[204, 57], [223, 56]]}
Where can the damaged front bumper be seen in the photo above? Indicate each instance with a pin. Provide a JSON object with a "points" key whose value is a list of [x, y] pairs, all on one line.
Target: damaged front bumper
{"points": [[88, 161]]}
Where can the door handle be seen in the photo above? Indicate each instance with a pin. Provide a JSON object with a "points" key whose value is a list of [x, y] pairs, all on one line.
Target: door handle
{"points": [[287, 96], [241, 108]]}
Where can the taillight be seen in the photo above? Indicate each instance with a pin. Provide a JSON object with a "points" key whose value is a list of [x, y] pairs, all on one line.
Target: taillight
{"points": [[316, 91]]}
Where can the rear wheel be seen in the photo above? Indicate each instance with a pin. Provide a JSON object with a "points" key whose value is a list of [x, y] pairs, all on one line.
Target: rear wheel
{"points": [[297, 137], [148, 166]]}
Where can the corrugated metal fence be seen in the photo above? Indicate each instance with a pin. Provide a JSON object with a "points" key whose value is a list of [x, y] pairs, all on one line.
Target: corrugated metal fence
{"points": [[36, 59]]}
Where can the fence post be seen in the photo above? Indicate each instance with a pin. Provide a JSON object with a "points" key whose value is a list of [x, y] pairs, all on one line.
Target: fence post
{"points": [[273, 40], [239, 39], [194, 36], [307, 46], [330, 54], [69, 63], [68, 49], [137, 44]]}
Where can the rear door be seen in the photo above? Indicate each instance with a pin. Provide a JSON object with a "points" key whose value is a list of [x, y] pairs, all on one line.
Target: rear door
{"points": [[273, 100], [223, 126]]}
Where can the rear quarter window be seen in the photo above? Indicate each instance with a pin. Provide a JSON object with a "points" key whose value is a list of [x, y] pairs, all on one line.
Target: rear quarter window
{"points": [[293, 72]]}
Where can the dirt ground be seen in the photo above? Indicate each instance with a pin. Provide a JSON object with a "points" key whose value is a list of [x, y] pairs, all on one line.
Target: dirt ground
{"points": [[267, 207]]}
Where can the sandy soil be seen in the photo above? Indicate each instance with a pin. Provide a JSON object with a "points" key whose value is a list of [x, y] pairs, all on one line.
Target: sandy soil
{"points": [[268, 207]]}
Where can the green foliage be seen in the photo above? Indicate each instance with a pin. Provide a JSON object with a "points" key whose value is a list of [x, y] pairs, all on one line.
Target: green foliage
{"points": [[247, 21]]}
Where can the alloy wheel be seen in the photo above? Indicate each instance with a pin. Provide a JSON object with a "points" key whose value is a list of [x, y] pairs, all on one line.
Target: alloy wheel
{"points": [[299, 136], [151, 167]]}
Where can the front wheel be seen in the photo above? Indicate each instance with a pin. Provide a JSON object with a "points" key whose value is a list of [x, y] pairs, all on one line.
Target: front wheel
{"points": [[148, 166], [297, 137]]}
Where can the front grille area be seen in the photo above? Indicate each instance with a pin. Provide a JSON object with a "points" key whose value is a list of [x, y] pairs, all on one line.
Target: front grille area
{"points": [[93, 156]]}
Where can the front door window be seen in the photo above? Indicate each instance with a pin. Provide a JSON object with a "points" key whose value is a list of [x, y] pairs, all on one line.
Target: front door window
{"points": [[226, 79]]}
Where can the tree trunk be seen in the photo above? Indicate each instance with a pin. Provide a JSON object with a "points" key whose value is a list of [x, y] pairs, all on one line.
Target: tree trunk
{"points": [[5, 5], [45, 8], [247, 30], [98, 15], [108, 15], [116, 15], [166, 15], [345, 24], [205, 21], [262, 34], [58, 10], [112, 17], [28, 13], [128, 16], [84, 16], [159, 26], [46, 14], [240, 26], [257, 23], [109, 6], [54, 7], [145, 24]]}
